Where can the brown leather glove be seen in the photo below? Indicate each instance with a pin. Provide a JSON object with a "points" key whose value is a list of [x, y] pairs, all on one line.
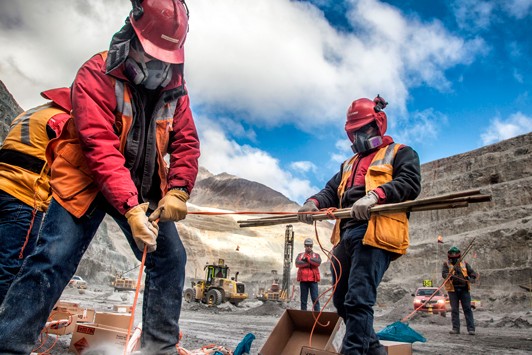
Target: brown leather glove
{"points": [[172, 207], [144, 232]]}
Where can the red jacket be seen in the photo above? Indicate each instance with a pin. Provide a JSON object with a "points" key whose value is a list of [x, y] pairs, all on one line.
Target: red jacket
{"points": [[308, 267], [93, 142]]}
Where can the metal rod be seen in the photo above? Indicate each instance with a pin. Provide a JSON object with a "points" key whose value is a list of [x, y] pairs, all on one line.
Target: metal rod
{"points": [[447, 201]]}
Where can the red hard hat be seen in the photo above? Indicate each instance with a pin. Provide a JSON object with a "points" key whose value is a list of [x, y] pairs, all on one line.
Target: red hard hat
{"points": [[161, 28], [364, 111]]}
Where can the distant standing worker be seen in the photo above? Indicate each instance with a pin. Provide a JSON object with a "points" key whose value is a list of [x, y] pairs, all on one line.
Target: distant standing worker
{"points": [[458, 287], [380, 171], [24, 181], [130, 147], [308, 275]]}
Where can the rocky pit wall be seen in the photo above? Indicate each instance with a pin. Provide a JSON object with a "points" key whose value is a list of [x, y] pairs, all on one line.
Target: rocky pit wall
{"points": [[502, 250]]}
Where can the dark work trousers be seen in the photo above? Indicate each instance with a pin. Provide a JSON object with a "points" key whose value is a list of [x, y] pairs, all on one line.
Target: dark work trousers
{"points": [[304, 288], [461, 295], [362, 268]]}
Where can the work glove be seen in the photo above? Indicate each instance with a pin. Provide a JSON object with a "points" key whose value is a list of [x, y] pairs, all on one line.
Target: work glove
{"points": [[309, 206], [172, 207], [360, 209], [144, 232]]}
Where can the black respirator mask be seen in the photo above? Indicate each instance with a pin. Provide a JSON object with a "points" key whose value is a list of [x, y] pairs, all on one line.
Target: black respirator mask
{"points": [[151, 74], [453, 261], [364, 141]]}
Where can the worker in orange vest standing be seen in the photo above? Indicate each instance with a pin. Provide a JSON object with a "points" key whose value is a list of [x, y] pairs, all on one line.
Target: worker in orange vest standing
{"points": [[380, 171], [130, 109], [458, 287], [308, 275], [24, 181]]}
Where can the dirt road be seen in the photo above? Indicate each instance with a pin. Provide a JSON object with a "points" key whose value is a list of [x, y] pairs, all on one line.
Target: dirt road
{"points": [[497, 333]]}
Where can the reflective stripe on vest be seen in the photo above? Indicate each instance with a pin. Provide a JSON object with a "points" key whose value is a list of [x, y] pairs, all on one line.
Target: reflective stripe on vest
{"points": [[23, 168], [388, 231], [385, 155]]}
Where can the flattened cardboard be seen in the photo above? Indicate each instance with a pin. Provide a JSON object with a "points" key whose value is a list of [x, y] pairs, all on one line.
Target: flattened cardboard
{"points": [[292, 332]]}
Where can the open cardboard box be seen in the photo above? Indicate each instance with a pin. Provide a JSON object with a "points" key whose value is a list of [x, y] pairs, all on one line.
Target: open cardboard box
{"points": [[292, 333], [83, 315]]}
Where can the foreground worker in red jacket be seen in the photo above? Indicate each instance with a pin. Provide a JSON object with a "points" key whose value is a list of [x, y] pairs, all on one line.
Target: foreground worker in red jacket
{"points": [[381, 171], [130, 108], [24, 181], [308, 275]]}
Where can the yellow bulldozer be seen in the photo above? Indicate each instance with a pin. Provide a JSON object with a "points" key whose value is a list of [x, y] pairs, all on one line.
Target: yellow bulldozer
{"points": [[274, 293], [217, 287]]}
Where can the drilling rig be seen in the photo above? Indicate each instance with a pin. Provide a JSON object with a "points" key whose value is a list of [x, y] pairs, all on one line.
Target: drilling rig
{"points": [[275, 293]]}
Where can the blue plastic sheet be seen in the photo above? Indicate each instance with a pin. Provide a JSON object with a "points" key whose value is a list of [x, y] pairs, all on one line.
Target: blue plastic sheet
{"points": [[245, 345], [400, 331]]}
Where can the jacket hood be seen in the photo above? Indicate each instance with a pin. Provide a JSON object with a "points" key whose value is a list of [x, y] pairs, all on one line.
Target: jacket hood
{"points": [[119, 47], [60, 96]]}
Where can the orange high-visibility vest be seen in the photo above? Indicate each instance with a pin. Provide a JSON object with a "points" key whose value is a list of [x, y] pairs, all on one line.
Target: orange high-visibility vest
{"points": [[388, 231], [23, 167]]}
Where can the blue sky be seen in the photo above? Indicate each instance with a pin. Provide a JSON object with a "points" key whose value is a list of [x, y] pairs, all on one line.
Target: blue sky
{"points": [[270, 80]]}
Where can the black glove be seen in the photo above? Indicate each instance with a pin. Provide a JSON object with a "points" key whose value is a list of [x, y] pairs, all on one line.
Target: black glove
{"points": [[309, 206]]}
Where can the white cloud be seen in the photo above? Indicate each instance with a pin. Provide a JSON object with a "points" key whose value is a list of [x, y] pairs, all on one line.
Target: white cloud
{"points": [[423, 126], [45, 42], [271, 61], [221, 154], [518, 9], [500, 129], [474, 14], [303, 166], [279, 61]]}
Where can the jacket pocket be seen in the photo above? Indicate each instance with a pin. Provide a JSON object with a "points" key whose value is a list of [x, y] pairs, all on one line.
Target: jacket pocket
{"points": [[70, 173], [389, 230]]}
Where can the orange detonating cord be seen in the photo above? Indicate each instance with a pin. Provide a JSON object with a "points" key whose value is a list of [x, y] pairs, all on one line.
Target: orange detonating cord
{"points": [[137, 290], [337, 274]]}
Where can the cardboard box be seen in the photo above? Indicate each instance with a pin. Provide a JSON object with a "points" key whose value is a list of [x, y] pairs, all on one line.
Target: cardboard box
{"points": [[292, 332], [86, 315], [397, 347], [89, 335], [60, 315], [116, 320], [305, 350], [122, 308]]}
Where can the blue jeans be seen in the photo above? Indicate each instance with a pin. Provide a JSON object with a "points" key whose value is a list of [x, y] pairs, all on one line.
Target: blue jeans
{"points": [[362, 269], [62, 242], [304, 288], [15, 221], [461, 295]]}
